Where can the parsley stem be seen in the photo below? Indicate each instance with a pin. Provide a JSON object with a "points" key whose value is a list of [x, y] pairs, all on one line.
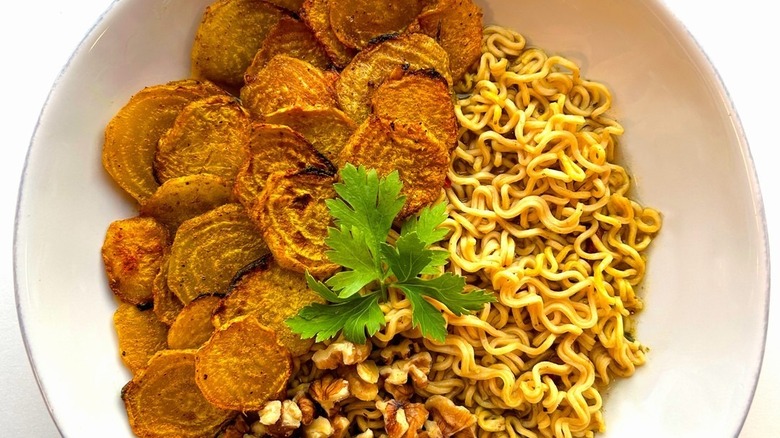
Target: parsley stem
{"points": [[383, 288]]}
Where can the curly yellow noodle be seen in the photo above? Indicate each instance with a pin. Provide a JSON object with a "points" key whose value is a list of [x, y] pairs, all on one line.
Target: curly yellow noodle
{"points": [[539, 212]]}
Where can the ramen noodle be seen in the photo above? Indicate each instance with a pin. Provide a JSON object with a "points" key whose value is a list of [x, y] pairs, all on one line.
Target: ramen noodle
{"points": [[540, 213]]}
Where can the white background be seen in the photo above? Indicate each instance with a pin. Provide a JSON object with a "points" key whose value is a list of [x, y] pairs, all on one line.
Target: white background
{"points": [[37, 38]]}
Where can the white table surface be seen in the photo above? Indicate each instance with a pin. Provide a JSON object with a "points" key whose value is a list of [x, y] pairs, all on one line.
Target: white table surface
{"points": [[37, 38]]}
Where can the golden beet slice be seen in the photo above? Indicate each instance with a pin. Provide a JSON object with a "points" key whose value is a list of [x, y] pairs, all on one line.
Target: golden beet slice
{"points": [[242, 366], [287, 81], [229, 35], [369, 69], [132, 252], [185, 197], [293, 38], [273, 294], [457, 26], [317, 16], [419, 96], [273, 148], [166, 305], [209, 249], [290, 5], [208, 136], [294, 219], [140, 334], [132, 134], [164, 401], [356, 22], [387, 145], [327, 129], [192, 326]]}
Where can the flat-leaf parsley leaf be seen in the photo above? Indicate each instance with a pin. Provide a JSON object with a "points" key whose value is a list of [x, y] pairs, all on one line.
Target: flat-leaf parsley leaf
{"points": [[363, 215]]}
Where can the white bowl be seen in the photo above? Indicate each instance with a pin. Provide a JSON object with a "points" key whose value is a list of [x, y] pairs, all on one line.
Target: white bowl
{"points": [[707, 286]]}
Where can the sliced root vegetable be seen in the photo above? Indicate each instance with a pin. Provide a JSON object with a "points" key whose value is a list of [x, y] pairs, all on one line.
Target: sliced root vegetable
{"points": [[132, 134], [208, 136], [419, 96], [165, 402], [457, 26], [294, 218], [192, 326], [185, 197], [286, 81], [419, 157], [327, 129], [228, 36], [293, 38], [133, 250], [273, 294], [274, 148], [166, 304], [209, 249], [140, 334], [316, 14], [369, 69], [242, 366], [357, 22]]}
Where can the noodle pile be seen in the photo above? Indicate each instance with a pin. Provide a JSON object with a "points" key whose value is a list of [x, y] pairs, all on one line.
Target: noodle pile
{"points": [[539, 212]]}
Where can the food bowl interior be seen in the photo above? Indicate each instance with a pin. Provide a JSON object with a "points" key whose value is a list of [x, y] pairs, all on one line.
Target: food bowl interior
{"points": [[706, 290]]}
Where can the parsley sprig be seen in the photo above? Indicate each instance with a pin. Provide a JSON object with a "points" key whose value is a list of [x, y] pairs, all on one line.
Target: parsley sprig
{"points": [[363, 215]]}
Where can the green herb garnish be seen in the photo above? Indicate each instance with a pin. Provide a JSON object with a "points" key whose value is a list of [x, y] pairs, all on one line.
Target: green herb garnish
{"points": [[364, 215]]}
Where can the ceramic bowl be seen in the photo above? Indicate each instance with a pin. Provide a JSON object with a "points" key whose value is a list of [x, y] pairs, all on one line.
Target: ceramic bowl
{"points": [[706, 290]]}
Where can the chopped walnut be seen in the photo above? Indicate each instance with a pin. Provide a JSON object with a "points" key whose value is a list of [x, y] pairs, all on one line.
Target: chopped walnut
{"points": [[363, 380], [278, 419], [291, 414], [340, 426], [320, 427], [402, 419], [399, 392], [328, 391], [271, 412], [450, 418], [368, 371], [402, 350], [308, 409], [431, 430], [417, 367], [341, 353]]}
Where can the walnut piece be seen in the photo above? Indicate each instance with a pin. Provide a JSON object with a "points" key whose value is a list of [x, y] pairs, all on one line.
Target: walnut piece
{"points": [[328, 391], [417, 367], [363, 380], [401, 350], [402, 419], [399, 392], [340, 426], [431, 430], [308, 409], [320, 427], [449, 418], [278, 419], [341, 353], [271, 412]]}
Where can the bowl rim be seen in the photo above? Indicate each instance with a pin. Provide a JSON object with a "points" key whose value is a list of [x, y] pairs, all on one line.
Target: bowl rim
{"points": [[18, 263]]}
